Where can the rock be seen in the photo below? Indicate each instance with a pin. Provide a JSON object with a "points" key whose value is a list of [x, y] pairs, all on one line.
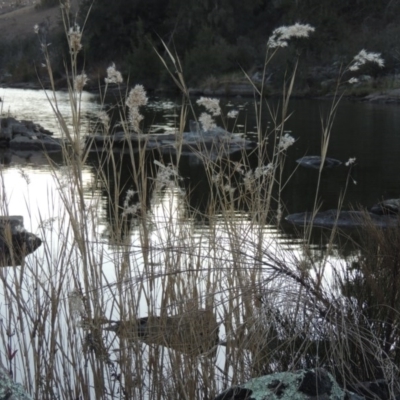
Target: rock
{"points": [[342, 219], [15, 241], [193, 332], [9, 389], [387, 96], [215, 143], [315, 162], [26, 135], [386, 207], [35, 142], [300, 385]]}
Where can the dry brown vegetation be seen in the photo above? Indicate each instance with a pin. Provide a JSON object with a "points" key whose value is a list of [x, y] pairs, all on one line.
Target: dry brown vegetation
{"points": [[137, 316]]}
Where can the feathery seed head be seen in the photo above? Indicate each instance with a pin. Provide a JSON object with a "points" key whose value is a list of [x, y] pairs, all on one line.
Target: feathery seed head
{"points": [[363, 57], [137, 97], [80, 81], [281, 35], [135, 118], [286, 141], [232, 114], [113, 76], [265, 170], [351, 161], [207, 122], [75, 37], [211, 105]]}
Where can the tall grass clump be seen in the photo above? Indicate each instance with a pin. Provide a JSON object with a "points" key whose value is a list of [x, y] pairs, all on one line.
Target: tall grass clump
{"points": [[154, 304]]}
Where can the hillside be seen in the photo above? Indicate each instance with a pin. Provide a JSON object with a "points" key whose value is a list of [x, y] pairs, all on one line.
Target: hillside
{"points": [[17, 18], [213, 40]]}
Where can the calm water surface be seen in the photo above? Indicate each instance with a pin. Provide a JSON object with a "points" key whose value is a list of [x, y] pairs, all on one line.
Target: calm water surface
{"points": [[371, 133]]}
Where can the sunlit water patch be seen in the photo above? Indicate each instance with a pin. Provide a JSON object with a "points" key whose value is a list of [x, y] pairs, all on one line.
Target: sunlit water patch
{"points": [[37, 106]]}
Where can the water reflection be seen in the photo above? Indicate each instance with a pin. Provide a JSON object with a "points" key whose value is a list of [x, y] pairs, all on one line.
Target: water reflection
{"points": [[375, 176], [172, 247], [36, 106]]}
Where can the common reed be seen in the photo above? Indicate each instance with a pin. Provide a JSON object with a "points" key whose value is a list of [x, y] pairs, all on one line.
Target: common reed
{"points": [[93, 313]]}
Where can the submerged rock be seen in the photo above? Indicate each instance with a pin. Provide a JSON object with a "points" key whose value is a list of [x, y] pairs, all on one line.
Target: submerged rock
{"points": [[386, 207], [315, 162], [15, 241], [342, 219], [301, 385], [194, 332]]}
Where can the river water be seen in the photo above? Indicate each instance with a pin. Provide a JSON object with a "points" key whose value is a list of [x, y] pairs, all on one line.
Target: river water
{"points": [[368, 132], [33, 189]]}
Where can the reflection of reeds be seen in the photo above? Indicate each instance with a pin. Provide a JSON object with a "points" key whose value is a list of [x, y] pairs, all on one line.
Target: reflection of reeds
{"points": [[180, 289]]}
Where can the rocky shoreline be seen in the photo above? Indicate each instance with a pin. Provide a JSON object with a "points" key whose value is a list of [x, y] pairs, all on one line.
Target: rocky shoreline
{"points": [[239, 89]]}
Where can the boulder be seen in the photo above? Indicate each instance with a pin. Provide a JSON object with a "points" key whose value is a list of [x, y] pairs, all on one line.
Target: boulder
{"points": [[9, 389], [15, 241], [193, 332], [26, 135], [315, 162], [342, 219], [214, 143], [311, 384], [386, 207]]}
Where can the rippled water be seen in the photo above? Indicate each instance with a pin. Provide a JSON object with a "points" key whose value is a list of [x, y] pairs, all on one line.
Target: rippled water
{"points": [[29, 187], [366, 131], [34, 105]]}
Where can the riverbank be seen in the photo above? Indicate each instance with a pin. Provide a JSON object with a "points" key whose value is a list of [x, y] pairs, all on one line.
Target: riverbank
{"points": [[364, 93], [313, 81]]}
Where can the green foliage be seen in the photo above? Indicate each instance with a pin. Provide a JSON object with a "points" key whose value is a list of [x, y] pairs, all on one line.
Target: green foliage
{"points": [[18, 59], [115, 35], [213, 38], [142, 62], [208, 57], [206, 38]]}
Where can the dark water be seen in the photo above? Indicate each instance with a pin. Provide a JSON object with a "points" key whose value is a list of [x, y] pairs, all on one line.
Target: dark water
{"points": [[368, 132], [371, 133]]}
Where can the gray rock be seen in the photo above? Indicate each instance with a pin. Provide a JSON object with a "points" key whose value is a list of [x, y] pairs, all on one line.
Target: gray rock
{"points": [[214, 143], [309, 384], [26, 135], [342, 219], [35, 142], [15, 241], [19, 129], [386, 207], [315, 162], [194, 332], [9, 389]]}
